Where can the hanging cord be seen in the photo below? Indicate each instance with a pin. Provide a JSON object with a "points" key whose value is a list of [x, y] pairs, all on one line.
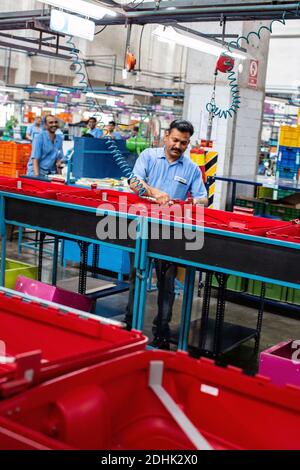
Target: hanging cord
{"points": [[100, 30], [140, 47], [213, 109], [84, 82], [232, 76]]}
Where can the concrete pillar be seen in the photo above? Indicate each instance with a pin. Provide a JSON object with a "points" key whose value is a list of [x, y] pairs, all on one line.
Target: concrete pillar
{"points": [[23, 69], [236, 139]]}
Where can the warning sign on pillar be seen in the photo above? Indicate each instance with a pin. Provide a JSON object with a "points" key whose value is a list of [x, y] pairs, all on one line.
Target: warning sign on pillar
{"points": [[253, 73]]}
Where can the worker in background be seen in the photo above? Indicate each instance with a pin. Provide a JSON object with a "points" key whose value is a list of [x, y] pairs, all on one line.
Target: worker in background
{"points": [[111, 131], [47, 150], [167, 174], [135, 131], [34, 129], [93, 130]]}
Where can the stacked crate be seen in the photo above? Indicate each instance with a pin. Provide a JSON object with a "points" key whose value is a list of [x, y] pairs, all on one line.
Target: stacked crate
{"points": [[288, 162], [14, 158]]}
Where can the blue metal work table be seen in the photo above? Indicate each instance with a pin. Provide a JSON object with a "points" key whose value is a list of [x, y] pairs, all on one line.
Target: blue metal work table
{"points": [[224, 253], [259, 181], [64, 222]]}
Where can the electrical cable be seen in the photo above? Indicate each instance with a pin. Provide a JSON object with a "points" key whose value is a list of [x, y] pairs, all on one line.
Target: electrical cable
{"points": [[84, 81], [133, 4], [140, 47], [102, 29], [232, 76]]}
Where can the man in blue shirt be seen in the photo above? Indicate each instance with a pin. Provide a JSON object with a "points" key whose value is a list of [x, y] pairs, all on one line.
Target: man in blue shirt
{"points": [[111, 132], [47, 150], [93, 130], [167, 174], [34, 129]]}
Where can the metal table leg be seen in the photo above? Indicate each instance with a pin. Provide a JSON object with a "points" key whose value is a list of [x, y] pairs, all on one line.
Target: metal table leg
{"points": [[186, 310], [233, 196], [83, 267], [55, 261], [41, 250], [222, 280], [260, 316], [205, 309], [96, 253], [20, 239]]}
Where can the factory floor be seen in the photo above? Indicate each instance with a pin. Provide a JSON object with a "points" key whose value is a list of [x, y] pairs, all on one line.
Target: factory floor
{"points": [[276, 328]]}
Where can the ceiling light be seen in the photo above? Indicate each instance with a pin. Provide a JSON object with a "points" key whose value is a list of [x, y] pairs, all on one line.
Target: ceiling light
{"points": [[87, 9], [72, 25], [10, 90], [277, 101], [101, 97], [200, 44], [131, 91], [41, 86]]}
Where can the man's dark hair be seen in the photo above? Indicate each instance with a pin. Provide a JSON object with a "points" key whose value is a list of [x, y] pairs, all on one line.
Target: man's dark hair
{"points": [[49, 116], [182, 126], [92, 119], [112, 123]]}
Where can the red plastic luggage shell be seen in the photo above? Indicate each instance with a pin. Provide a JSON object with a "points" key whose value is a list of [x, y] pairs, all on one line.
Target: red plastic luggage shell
{"points": [[288, 233], [110, 406], [66, 341], [34, 188], [247, 224]]}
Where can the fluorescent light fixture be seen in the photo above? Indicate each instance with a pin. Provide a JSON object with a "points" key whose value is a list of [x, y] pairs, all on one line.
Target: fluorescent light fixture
{"points": [[72, 25], [101, 97], [200, 44], [41, 86], [277, 101], [131, 91], [10, 90], [81, 7], [94, 95]]}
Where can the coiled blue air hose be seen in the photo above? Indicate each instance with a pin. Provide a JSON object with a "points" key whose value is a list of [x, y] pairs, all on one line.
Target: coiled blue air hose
{"points": [[211, 107]]}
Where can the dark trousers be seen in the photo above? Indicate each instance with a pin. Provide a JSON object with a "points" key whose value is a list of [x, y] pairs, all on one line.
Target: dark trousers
{"points": [[166, 275]]}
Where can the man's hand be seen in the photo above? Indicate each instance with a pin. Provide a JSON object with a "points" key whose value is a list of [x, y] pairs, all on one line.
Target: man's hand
{"points": [[160, 196], [59, 167], [203, 201]]}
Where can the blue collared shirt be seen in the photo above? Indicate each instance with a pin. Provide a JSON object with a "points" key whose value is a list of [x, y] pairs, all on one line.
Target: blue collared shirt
{"points": [[96, 133], [177, 179], [46, 152], [33, 130], [117, 135]]}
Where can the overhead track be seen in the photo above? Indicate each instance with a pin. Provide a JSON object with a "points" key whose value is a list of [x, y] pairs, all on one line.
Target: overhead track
{"points": [[233, 12]]}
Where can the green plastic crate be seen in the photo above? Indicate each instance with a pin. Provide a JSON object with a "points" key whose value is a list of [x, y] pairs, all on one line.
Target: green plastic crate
{"points": [[13, 269], [293, 296], [282, 211], [234, 283], [262, 192], [282, 193], [273, 292]]}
